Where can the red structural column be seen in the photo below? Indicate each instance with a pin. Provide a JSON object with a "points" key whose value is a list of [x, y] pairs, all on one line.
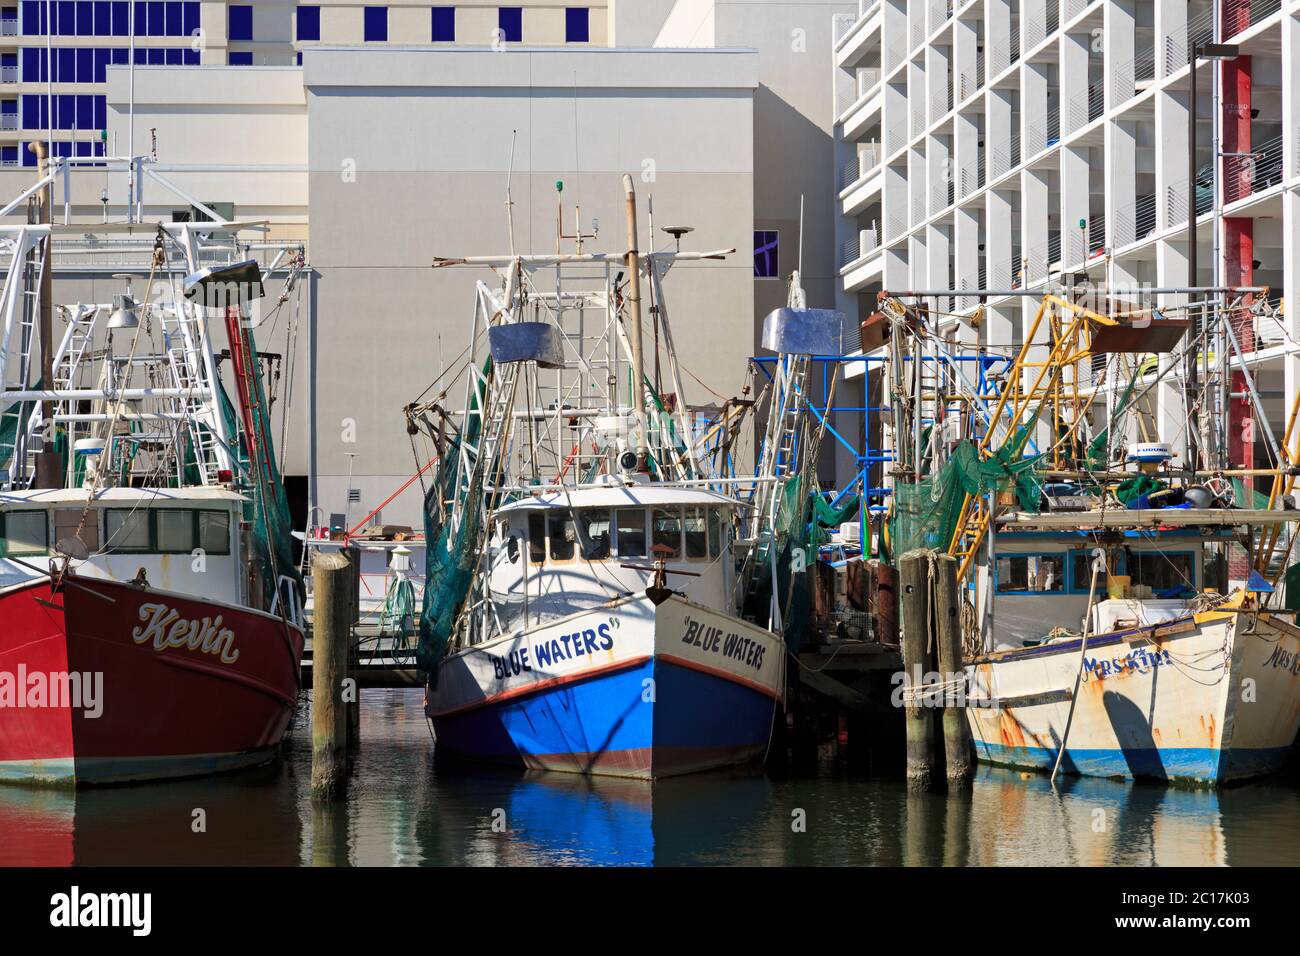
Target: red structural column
{"points": [[1238, 165]]}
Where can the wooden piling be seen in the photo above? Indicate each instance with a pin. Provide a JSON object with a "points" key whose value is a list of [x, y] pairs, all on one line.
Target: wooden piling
{"points": [[918, 719], [331, 635], [947, 618], [353, 556]]}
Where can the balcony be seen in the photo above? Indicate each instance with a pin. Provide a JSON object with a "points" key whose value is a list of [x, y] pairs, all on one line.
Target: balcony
{"points": [[1200, 30], [1087, 107], [8, 121], [860, 180], [860, 246], [1136, 224], [1241, 15], [8, 74], [1007, 158], [8, 27], [855, 37], [1252, 172], [1176, 198]]}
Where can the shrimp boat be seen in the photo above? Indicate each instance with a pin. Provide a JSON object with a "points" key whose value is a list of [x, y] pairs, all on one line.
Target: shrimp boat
{"points": [[1123, 614], [150, 616], [589, 557]]}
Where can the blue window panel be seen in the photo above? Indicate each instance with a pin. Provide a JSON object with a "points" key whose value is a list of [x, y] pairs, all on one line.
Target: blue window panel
{"points": [[577, 25], [766, 254], [510, 21], [84, 149], [157, 18], [300, 58], [9, 155], [31, 111], [118, 57], [9, 107], [157, 56], [85, 18], [121, 18], [189, 18], [444, 24], [238, 58], [175, 19], [28, 158], [9, 59], [65, 18], [103, 18], [103, 56], [33, 17], [65, 111], [240, 24], [63, 150], [140, 13], [85, 65], [175, 57], [191, 57], [376, 24], [31, 65], [67, 64], [101, 112], [308, 23], [86, 112]]}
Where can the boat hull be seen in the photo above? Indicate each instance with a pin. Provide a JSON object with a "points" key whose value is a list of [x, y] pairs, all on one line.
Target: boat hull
{"points": [[628, 690], [1202, 701], [138, 684]]}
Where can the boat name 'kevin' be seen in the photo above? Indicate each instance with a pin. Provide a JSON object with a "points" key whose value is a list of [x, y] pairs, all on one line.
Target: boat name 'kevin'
{"points": [[167, 629], [714, 640]]}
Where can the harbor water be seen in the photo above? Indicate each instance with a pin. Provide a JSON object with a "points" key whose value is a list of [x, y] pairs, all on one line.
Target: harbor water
{"points": [[403, 808]]}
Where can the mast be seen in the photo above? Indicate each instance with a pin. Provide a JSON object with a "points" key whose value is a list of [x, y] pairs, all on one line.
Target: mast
{"points": [[634, 323]]}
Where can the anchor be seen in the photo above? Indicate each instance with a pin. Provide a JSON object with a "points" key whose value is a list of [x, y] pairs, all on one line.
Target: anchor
{"points": [[658, 590]]}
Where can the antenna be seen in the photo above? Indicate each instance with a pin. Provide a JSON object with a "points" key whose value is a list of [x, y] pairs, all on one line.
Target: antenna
{"points": [[510, 211]]}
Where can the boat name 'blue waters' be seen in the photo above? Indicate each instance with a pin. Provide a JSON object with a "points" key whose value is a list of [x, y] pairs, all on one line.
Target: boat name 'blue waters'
{"points": [[562, 648], [715, 640]]}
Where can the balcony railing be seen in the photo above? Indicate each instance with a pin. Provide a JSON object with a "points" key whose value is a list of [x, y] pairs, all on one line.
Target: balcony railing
{"points": [[8, 74], [1007, 158], [8, 120], [8, 27], [841, 25], [1240, 15], [1053, 19], [1096, 233], [1087, 106], [1053, 247], [1176, 199], [863, 244], [1138, 223], [1015, 43], [1253, 172], [1130, 77], [868, 158], [1199, 31]]}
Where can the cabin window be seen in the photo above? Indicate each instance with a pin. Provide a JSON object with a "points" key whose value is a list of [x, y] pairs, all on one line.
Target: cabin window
{"points": [[213, 531], [667, 533], [175, 530], [697, 540], [1081, 573], [715, 532], [24, 532], [68, 520], [127, 529], [537, 539], [560, 528], [595, 527], [1162, 571], [631, 533], [1031, 573]]}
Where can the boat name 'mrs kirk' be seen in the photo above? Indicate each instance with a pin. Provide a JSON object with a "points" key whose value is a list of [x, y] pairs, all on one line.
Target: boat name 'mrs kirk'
{"points": [[167, 629]]}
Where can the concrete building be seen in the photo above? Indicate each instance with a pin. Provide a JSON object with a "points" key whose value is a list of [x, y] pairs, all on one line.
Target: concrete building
{"points": [[999, 144], [250, 142]]}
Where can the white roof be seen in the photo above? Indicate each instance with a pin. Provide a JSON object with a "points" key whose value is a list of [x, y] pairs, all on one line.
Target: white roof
{"points": [[112, 496], [614, 496]]}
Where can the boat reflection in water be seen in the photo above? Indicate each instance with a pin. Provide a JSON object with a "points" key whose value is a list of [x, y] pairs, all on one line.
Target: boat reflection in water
{"points": [[1015, 819], [406, 807]]}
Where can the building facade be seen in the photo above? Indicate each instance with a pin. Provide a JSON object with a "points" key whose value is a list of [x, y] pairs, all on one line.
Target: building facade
{"points": [[1012, 144]]}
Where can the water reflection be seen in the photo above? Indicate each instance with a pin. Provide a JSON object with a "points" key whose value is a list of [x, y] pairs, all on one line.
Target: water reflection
{"points": [[405, 808]]}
